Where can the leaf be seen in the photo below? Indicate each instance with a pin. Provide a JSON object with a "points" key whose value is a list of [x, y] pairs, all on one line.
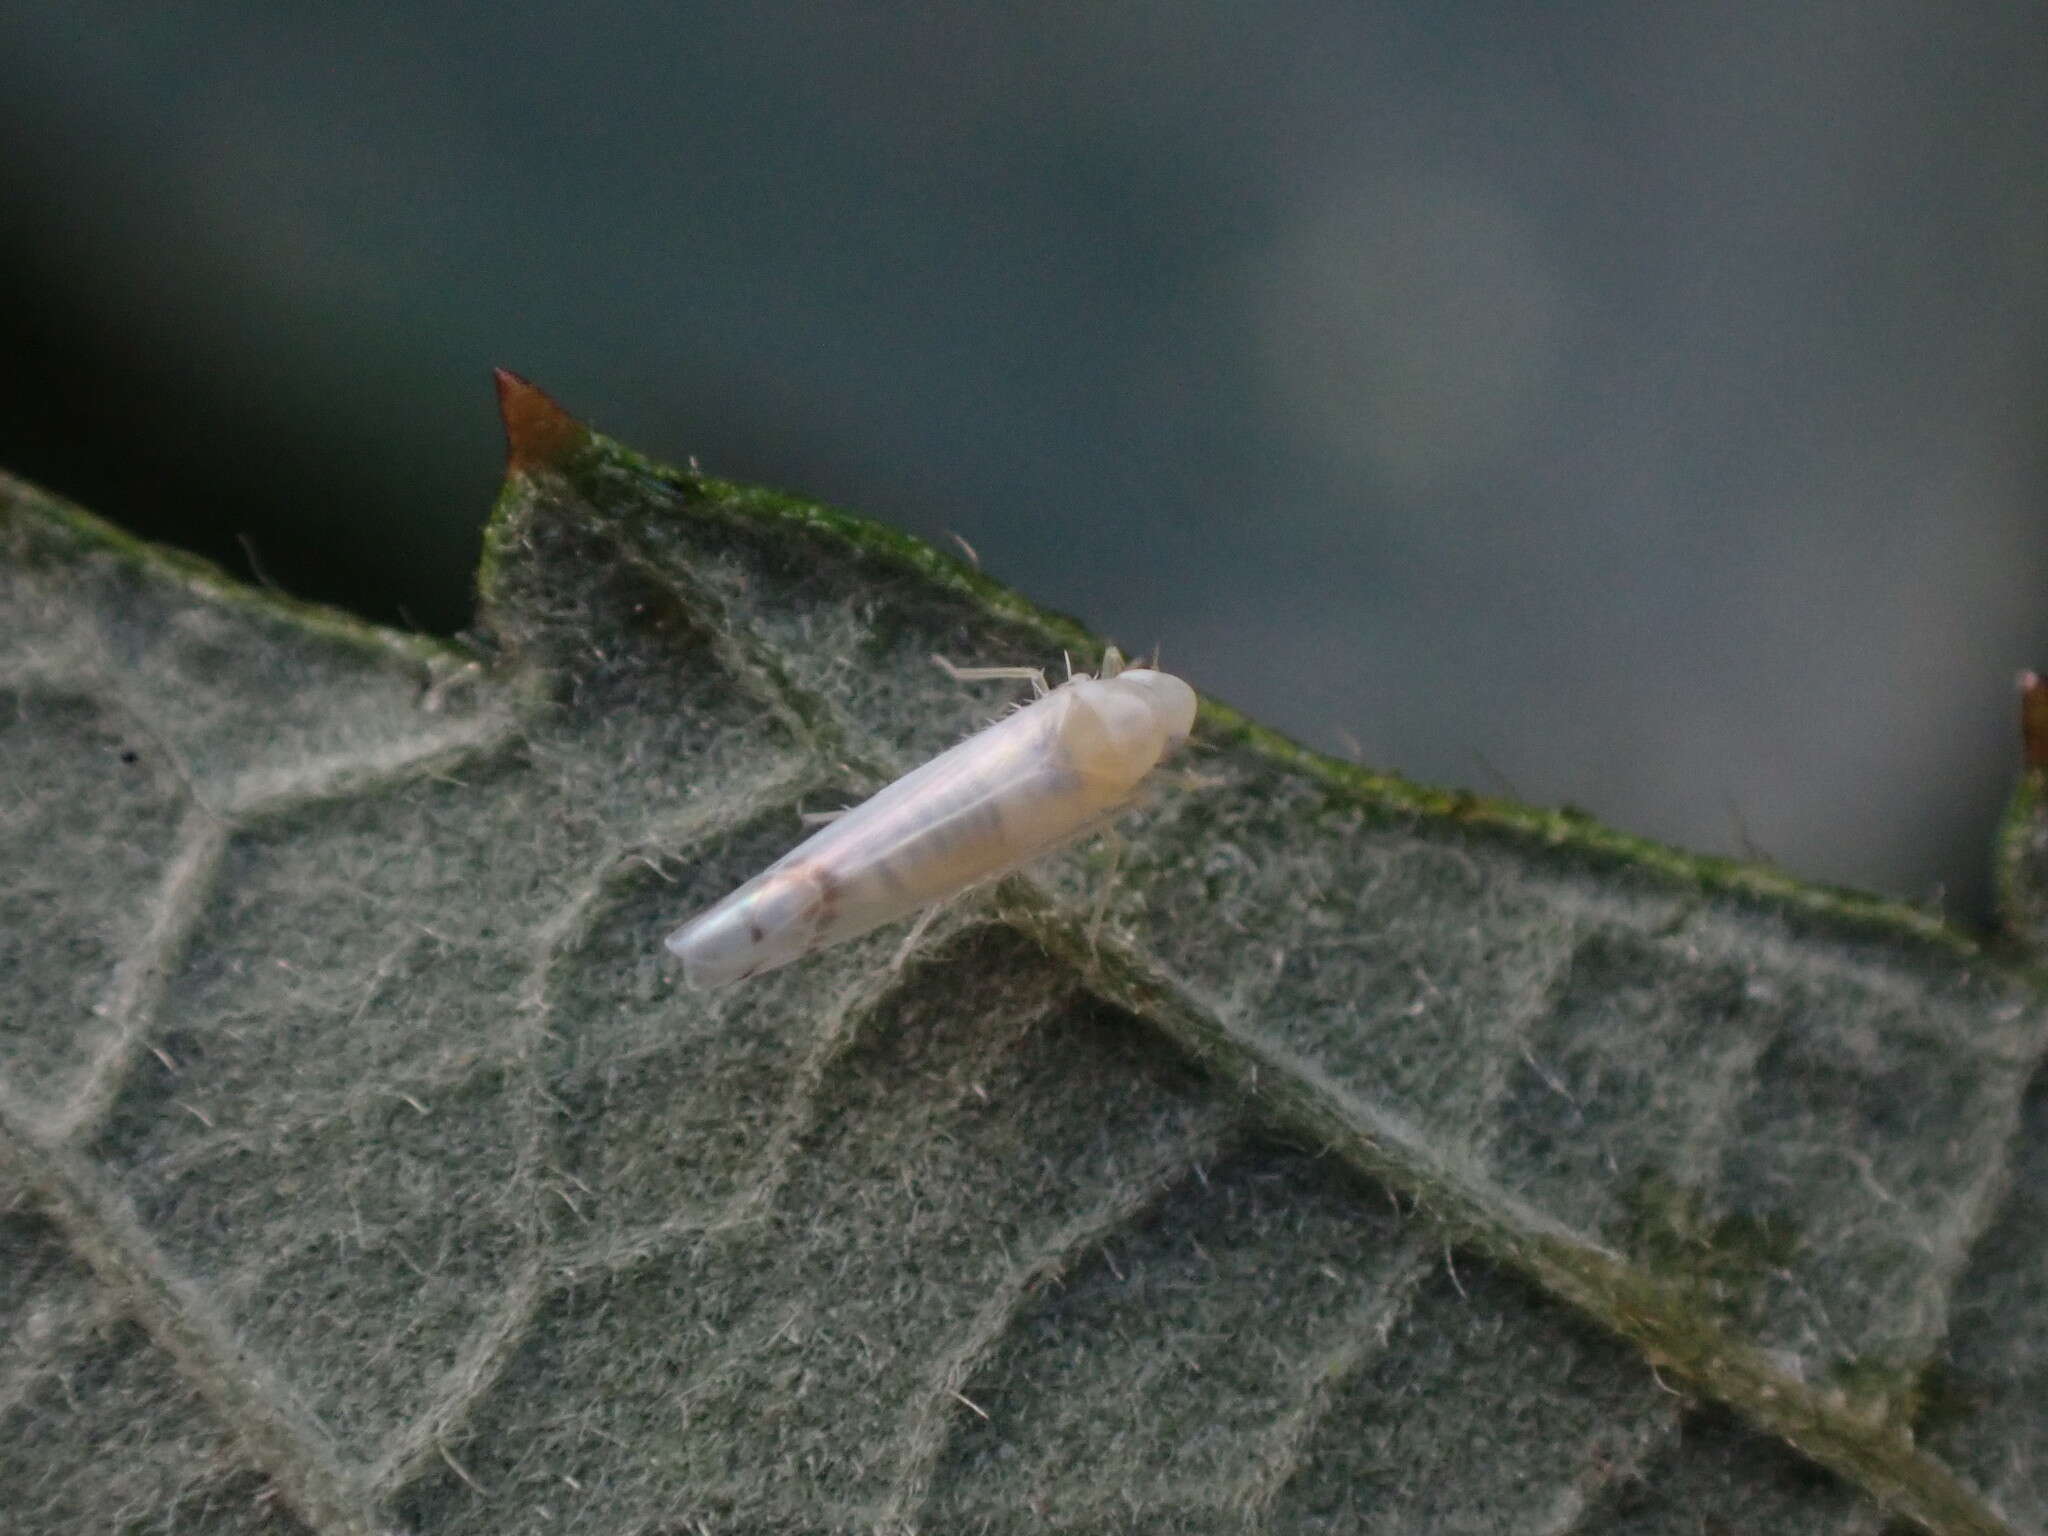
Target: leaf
{"points": [[1382, 1159]]}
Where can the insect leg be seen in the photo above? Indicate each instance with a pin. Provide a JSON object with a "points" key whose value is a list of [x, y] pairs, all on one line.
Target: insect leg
{"points": [[1032, 675], [1108, 888], [917, 931]]}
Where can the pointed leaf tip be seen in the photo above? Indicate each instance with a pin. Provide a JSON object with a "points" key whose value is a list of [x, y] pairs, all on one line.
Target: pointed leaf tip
{"points": [[539, 434], [2034, 718]]}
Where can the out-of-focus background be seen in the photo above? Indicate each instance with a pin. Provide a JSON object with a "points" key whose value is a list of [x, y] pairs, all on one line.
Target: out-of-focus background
{"points": [[1641, 406]]}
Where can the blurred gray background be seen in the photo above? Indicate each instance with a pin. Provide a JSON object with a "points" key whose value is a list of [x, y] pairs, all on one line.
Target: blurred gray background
{"points": [[1640, 406]]}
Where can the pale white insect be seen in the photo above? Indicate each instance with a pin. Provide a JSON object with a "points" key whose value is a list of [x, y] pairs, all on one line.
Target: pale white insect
{"points": [[1053, 770]]}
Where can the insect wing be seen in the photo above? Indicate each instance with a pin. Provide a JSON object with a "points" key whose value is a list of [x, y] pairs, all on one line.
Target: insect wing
{"points": [[939, 829]]}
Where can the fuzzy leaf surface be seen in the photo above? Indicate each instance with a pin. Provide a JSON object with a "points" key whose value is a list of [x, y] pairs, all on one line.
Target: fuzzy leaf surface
{"points": [[1380, 1159]]}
